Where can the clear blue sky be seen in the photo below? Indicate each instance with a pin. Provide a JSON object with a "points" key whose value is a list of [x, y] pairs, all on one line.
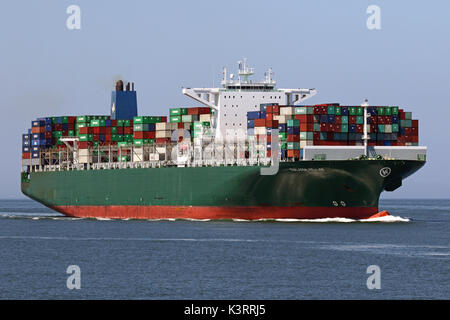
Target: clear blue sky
{"points": [[48, 70]]}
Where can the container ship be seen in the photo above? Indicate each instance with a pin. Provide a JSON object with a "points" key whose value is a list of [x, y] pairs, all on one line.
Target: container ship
{"points": [[249, 150]]}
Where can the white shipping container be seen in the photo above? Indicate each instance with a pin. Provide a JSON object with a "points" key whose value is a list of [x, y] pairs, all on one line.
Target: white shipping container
{"points": [[163, 134], [286, 111], [260, 130], [281, 119], [388, 128], [205, 117], [154, 156], [84, 159], [161, 126]]}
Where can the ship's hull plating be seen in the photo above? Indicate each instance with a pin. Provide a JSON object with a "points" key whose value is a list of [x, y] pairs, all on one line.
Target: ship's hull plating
{"points": [[299, 190]]}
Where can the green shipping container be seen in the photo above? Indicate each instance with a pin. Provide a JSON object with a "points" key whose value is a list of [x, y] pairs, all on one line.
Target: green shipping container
{"points": [[406, 123], [317, 127], [395, 127], [175, 118], [408, 115], [394, 110], [359, 119], [344, 120], [337, 111], [330, 109], [300, 110], [293, 123], [175, 112], [293, 145], [352, 111], [387, 111], [95, 123]]}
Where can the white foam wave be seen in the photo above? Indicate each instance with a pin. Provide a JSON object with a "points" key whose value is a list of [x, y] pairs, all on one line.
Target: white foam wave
{"points": [[386, 219]]}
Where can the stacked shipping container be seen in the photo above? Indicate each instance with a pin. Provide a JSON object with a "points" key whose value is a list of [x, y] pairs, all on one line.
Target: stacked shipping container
{"points": [[332, 124]]}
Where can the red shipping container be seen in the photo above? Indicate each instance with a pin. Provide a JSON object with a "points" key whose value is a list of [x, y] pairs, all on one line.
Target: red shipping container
{"points": [[359, 128], [113, 123], [83, 130], [162, 140], [138, 135], [83, 144], [163, 119], [415, 123], [26, 155], [48, 135], [71, 126], [373, 128], [269, 116], [204, 110], [269, 109], [337, 127], [330, 127], [260, 122], [119, 130], [293, 137], [303, 127], [96, 130], [388, 120], [402, 115], [192, 110], [71, 120], [293, 153], [96, 137], [275, 124], [127, 130], [352, 120], [107, 138], [337, 119], [276, 110], [301, 117], [316, 136]]}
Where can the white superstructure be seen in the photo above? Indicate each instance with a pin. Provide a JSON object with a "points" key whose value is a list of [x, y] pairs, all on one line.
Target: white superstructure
{"points": [[240, 95]]}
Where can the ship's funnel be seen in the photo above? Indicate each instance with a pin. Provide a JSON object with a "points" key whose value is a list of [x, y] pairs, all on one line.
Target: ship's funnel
{"points": [[123, 103]]}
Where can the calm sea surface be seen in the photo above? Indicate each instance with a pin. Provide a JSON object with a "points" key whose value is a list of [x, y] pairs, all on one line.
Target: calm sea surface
{"points": [[226, 259]]}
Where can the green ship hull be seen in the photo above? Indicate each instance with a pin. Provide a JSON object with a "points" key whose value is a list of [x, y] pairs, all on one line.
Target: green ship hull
{"points": [[299, 190]]}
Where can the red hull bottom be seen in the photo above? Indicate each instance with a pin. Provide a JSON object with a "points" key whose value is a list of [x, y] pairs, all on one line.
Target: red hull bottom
{"points": [[247, 213]]}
